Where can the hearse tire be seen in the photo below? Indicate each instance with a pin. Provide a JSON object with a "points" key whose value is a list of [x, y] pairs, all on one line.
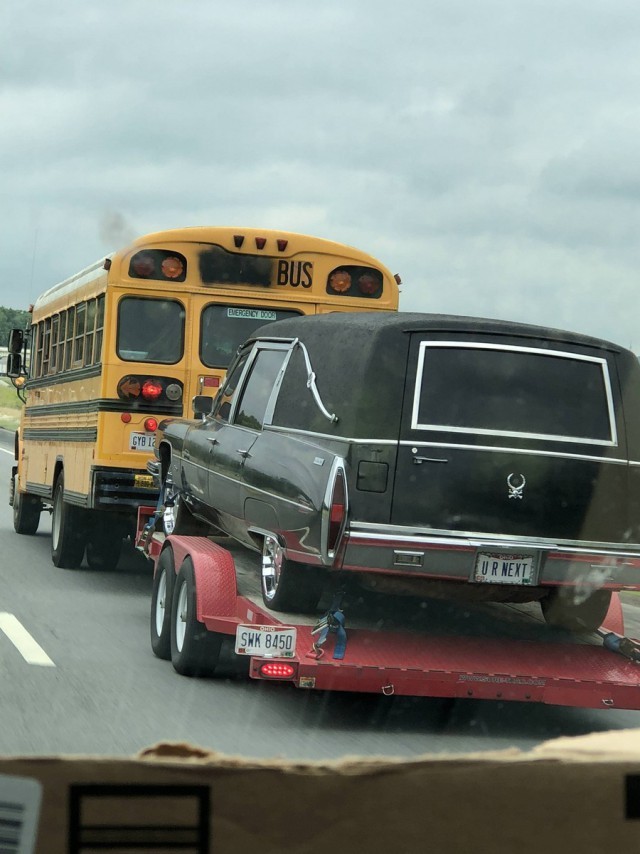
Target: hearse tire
{"points": [[162, 590], [289, 586], [26, 512], [560, 609], [68, 530], [195, 651], [183, 520]]}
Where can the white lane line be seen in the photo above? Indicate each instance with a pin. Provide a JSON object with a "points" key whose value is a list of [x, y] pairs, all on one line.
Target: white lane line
{"points": [[6, 451], [28, 648]]}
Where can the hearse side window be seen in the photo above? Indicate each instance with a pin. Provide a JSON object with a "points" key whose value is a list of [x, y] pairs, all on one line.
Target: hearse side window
{"points": [[258, 388], [222, 405], [506, 391]]}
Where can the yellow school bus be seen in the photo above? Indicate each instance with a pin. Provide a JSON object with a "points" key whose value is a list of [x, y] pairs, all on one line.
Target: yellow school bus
{"points": [[130, 341]]}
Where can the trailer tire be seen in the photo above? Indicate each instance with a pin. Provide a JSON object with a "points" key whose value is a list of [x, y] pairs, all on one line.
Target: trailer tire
{"points": [[68, 532], [195, 650], [162, 591], [560, 609], [286, 585], [26, 512]]}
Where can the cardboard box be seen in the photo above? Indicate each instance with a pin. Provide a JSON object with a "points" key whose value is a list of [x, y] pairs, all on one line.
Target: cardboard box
{"points": [[577, 795]]}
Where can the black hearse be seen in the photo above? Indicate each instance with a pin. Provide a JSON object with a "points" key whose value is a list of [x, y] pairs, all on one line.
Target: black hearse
{"points": [[430, 454]]}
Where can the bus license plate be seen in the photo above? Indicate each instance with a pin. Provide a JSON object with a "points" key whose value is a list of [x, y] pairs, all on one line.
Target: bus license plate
{"points": [[142, 441], [502, 568], [266, 641]]}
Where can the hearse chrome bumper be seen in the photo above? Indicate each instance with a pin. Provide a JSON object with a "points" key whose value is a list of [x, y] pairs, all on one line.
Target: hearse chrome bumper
{"points": [[489, 559]]}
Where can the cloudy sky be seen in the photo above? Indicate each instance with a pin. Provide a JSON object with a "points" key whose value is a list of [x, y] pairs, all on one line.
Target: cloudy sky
{"points": [[487, 150]]}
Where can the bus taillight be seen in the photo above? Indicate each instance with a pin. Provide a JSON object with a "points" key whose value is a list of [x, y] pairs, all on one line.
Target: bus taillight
{"points": [[151, 390], [150, 425]]}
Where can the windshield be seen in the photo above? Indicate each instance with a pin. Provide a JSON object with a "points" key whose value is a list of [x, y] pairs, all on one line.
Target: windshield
{"points": [[473, 513]]}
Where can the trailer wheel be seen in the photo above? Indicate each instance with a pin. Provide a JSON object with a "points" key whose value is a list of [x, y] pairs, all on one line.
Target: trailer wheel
{"points": [[560, 609], [194, 650], [26, 511], [289, 586], [163, 583], [68, 531]]}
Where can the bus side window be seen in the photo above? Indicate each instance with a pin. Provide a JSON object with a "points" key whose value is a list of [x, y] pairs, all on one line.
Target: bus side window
{"points": [[81, 320], [46, 346], [97, 349], [37, 338], [62, 338], [55, 333], [91, 322], [68, 356]]}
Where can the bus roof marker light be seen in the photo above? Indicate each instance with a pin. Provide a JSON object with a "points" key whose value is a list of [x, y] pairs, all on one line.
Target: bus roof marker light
{"points": [[261, 242], [107, 264], [238, 240], [282, 244]]}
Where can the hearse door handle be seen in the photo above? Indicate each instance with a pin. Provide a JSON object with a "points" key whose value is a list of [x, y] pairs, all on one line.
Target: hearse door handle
{"points": [[212, 440], [243, 453], [417, 461], [186, 454]]}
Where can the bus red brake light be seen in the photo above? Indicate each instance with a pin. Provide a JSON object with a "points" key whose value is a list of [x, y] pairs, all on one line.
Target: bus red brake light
{"points": [[340, 281], [337, 511], [172, 267], [143, 264], [151, 390], [368, 284], [150, 425]]}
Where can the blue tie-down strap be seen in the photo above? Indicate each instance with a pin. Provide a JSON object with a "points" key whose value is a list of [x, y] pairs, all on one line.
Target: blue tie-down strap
{"points": [[332, 623], [622, 645]]}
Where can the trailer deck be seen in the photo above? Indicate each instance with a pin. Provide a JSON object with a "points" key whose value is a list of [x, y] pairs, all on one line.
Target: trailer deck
{"points": [[409, 646]]}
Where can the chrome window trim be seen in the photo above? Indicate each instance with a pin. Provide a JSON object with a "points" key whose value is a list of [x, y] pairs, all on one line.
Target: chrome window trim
{"points": [[403, 533], [560, 354], [529, 451], [336, 438]]}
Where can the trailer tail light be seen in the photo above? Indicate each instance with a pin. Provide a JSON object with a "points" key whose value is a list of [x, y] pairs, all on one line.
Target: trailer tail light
{"points": [[337, 511], [277, 670]]}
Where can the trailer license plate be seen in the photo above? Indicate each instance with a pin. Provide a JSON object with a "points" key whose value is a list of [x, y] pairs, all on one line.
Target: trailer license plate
{"points": [[266, 641], [501, 568], [142, 441]]}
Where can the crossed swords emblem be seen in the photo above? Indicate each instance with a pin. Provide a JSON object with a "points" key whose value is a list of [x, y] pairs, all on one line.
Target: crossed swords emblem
{"points": [[516, 491]]}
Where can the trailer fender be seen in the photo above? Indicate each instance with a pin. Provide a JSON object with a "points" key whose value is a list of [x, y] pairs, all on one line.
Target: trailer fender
{"points": [[215, 575]]}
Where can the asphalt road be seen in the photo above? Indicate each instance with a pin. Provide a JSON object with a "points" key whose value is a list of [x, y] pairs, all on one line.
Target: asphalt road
{"points": [[90, 683]]}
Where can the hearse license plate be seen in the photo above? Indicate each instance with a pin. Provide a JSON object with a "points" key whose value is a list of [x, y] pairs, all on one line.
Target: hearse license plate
{"points": [[266, 641], [142, 441], [502, 568]]}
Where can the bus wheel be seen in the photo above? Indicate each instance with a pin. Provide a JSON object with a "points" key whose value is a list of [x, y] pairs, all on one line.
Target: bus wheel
{"points": [[289, 586], [104, 546], [163, 583], [194, 650], [68, 535], [26, 512], [560, 609]]}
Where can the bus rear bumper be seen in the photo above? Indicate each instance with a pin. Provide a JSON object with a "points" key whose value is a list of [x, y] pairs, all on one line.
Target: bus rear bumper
{"points": [[114, 489]]}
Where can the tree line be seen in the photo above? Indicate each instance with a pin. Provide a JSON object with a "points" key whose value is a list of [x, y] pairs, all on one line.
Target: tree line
{"points": [[12, 318]]}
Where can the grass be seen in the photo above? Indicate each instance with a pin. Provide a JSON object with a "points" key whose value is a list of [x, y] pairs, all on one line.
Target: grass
{"points": [[10, 406]]}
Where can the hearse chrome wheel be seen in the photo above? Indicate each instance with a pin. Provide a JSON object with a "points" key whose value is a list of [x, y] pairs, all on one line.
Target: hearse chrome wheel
{"points": [[272, 558], [289, 586]]}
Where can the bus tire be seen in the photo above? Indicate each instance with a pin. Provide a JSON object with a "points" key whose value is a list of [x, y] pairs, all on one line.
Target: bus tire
{"points": [[26, 512], [195, 650], [68, 535], [161, 593], [289, 586], [104, 546], [560, 609]]}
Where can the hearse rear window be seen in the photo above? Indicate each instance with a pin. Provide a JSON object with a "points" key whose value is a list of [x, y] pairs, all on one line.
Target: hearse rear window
{"points": [[500, 390]]}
